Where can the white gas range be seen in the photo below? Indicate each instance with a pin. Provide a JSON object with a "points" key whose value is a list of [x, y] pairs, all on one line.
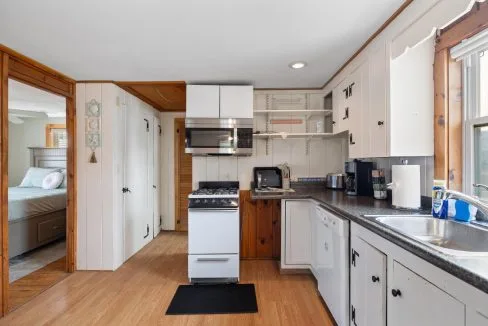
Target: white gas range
{"points": [[213, 233]]}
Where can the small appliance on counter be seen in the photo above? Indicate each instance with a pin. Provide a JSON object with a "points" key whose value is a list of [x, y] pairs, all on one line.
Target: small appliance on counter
{"points": [[358, 178], [285, 176], [405, 186], [335, 181], [268, 177], [379, 184]]}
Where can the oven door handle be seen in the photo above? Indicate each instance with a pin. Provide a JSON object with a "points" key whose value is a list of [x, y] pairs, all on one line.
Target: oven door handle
{"points": [[213, 209]]}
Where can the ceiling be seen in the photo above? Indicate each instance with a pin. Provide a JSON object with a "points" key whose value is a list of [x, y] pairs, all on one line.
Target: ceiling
{"points": [[22, 97], [232, 41], [164, 96]]}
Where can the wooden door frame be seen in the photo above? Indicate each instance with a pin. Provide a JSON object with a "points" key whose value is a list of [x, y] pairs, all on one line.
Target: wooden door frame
{"points": [[177, 170], [14, 65]]}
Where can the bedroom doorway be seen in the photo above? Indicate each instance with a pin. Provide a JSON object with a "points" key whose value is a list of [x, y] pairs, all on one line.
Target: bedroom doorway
{"points": [[37, 191], [57, 223]]}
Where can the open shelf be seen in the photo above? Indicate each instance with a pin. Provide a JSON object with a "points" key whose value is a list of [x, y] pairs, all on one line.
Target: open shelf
{"points": [[304, 112], [286, 135]]}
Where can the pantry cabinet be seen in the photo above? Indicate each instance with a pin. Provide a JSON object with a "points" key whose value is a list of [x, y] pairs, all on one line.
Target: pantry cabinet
{"points": [[415, 301], [368, 284]]}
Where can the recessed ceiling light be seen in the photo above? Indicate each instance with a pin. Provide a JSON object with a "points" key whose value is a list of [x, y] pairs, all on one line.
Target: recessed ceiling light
{"points": [[297, 65]]}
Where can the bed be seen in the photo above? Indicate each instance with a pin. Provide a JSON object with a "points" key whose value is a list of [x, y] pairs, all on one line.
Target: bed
{"points": [[37, 216]]}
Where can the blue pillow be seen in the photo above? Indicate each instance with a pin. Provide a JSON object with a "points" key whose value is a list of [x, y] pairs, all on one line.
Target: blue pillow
{"points": [[34, 176]]}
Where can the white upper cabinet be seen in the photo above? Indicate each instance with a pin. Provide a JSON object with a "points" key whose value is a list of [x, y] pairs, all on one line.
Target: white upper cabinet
{"points": [[357, 107], [236, 101], [202, 101], [214, 101], [376, 121]]}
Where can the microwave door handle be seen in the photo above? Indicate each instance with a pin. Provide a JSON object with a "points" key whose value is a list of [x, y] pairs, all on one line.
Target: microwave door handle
{"points": [[235, 140]]}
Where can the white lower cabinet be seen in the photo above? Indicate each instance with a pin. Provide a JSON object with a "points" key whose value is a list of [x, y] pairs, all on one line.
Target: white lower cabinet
{"points": [[415, 301], [368, 284], [298, 243]]}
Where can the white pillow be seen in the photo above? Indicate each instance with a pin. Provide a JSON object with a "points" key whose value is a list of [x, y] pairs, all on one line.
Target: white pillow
{"points": [[35, 176], [52, 180], [64, 184]]}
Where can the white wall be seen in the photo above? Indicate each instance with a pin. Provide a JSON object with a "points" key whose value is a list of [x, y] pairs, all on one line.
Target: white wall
{"points": [[167, 169], [32, 133]]}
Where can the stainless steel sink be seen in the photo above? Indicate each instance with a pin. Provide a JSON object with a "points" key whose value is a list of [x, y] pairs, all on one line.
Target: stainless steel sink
{"points": [[447, 236]]}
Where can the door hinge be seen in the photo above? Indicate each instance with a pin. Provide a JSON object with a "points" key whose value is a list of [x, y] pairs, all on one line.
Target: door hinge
{"points": [[147, 125], [354, 254], [353, 315]]}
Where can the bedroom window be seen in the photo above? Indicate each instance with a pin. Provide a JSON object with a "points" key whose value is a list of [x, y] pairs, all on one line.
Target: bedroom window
{"points": [[474, 55], [56, 136]]}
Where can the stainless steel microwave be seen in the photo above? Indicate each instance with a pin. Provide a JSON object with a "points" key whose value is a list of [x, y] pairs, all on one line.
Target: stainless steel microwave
{"points": [[206, 136]]}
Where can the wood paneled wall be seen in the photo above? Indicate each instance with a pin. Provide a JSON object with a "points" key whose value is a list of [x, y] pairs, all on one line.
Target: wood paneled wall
{"points": [[261, 227], [23, 69], [448, 105]]}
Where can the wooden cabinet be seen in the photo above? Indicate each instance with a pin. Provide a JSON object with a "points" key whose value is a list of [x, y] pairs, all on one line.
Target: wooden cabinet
{"points": [[415, 301], [236, 101], [261, 227], [368, 284], [202, 101], [297, 233]]}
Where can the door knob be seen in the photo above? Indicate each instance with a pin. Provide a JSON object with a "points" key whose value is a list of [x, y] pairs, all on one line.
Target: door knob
{"points": [[375, 279], [396, 293], [380, 123]]}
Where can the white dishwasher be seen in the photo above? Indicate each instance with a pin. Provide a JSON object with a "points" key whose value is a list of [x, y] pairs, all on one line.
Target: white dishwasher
{"points": [[333, 264]]}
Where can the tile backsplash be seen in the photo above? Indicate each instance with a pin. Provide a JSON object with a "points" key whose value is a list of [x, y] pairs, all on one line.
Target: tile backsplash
{"points": [[426, 169]]}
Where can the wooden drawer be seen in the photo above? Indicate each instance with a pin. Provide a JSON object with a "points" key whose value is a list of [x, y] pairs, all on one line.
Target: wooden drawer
{"points": [[51, 229]]}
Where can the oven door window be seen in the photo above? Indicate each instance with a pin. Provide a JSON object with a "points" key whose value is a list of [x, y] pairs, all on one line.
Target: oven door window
{"points": [[209, 138]]}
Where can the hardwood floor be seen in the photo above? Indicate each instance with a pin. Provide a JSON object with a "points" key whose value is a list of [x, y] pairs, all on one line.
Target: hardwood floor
{"points": [[139, 292], [25, 289]]}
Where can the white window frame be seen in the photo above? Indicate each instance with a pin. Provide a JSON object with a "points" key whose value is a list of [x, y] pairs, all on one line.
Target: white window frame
{"points": [[471, 104]]}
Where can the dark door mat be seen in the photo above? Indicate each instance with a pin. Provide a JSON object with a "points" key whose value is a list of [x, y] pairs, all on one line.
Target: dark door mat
{"points": [[213, 299]]}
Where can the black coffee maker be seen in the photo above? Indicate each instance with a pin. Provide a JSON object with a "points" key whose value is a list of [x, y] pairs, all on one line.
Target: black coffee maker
{"points": [[359, 181]]}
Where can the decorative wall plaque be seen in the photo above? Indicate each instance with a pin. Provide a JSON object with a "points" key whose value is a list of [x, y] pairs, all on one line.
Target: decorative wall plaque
{"points": [[93, 113]]}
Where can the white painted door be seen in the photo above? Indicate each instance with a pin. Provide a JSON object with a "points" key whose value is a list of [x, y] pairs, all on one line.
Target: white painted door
{"points": [[376, 121], [338, 108], [202, 101], [157, 176], [368, 284], [136, 178], [412, 300], [149, 217], [298, 242], [236, 101], [356, 105], [315, 245]]}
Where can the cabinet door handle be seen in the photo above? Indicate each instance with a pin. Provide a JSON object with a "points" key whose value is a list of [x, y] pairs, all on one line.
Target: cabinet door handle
{"points": [[375, 279], [213, 259], [333, 122], [396, 293], [380, 123], [351, 142]]}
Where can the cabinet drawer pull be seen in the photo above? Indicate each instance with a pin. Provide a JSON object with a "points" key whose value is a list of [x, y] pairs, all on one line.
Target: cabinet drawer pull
{"points": [[213, 259], [396, 293], [375, 279]]}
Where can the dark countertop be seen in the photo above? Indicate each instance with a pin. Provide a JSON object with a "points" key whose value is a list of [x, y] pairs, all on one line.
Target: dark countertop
{"points": [[472, 270]]}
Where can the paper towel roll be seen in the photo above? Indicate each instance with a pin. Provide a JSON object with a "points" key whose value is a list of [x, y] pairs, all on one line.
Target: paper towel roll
{"points": [[405, 188]]}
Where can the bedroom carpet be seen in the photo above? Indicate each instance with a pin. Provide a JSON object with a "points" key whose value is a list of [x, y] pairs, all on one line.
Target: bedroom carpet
{"points": [[25, 264]]}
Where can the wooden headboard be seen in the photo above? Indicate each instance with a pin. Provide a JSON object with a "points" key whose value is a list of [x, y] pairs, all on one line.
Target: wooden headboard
{"points": [[43, 157]]}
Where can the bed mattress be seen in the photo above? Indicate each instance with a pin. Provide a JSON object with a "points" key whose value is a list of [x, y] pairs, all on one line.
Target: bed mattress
{"points": [[26, 202]]}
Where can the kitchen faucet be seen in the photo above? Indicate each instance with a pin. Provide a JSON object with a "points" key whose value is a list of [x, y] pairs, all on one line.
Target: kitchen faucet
{"points": [[481, 206]]}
